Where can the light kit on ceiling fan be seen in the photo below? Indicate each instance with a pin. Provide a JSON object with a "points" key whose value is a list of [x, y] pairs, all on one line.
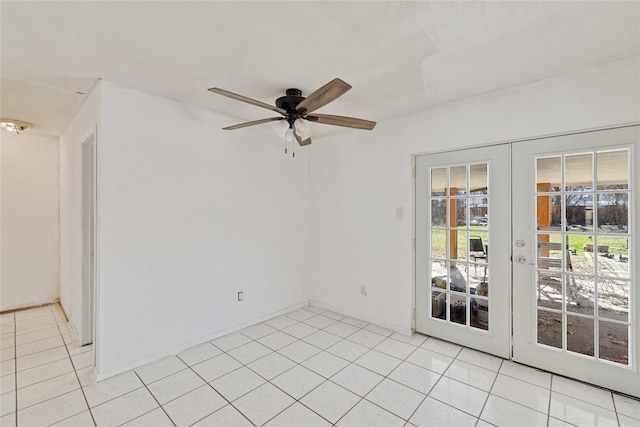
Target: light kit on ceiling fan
{"points": [[281, 128], [295, 110], [302, 128], [13, 125]]}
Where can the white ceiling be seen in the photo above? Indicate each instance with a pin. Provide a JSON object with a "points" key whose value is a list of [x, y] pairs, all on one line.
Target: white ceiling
{"points": [[400, 57]]}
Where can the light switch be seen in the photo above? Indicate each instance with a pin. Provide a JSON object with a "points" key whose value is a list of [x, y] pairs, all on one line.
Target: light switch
{"points": [[399, 212]]}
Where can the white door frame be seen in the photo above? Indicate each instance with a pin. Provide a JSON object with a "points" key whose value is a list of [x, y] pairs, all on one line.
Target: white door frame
{"points": [[88, 167], [579, 371]]}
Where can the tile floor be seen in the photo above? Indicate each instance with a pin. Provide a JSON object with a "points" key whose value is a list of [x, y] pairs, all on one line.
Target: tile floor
{"points": [[307, 368]]}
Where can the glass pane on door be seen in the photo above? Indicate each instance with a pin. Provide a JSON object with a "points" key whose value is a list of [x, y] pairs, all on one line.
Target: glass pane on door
{"points": [[459, 254], [582, 256]]}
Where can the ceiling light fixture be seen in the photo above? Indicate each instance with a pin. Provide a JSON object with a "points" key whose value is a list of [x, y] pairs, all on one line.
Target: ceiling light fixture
{"points": [[290, 130], [302, 129], [13, 125], [281, 127]]}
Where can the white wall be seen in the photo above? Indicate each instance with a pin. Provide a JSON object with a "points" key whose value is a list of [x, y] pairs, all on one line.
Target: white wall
{"points": [[357, 183], [29, 219], [188, 215], [82, 126]]}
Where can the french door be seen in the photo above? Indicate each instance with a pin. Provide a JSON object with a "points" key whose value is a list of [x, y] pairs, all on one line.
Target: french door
{"points": [[575, 292], [527, 251], [462, 247]]}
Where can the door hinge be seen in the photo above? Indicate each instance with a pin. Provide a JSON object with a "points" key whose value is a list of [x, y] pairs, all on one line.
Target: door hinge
{"points": [[414, 243], [414, 171]]}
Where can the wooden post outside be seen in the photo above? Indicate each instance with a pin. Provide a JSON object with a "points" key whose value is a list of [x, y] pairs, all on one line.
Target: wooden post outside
{"points": [[453, 223], [543, 207]]}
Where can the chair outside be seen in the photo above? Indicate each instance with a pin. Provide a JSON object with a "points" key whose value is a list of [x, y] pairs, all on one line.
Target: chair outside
{"points": [[477, 251]]}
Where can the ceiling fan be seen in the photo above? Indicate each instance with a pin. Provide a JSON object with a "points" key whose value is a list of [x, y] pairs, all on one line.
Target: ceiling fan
{"points": [[295, 109]]}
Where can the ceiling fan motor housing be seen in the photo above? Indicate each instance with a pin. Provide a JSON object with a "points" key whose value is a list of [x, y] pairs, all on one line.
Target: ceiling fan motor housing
{"points": [[289, 102]]}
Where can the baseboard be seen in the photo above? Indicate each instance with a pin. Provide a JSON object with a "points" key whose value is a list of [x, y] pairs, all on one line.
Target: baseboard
{"points": [[99, 375], [29, 307], [394, 327]]}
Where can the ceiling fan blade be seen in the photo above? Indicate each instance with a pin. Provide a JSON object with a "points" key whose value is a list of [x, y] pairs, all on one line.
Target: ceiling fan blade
{"points": [[245, 99], [255, 122], [300, 141], [323, 96], [349, 122]]}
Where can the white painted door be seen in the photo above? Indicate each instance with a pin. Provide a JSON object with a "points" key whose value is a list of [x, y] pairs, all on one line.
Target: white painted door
{"points": [[575, 294], [463, 247]]}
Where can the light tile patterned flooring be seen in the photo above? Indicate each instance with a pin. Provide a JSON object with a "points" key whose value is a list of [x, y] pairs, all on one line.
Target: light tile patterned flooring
{"points": [[307, 368]]}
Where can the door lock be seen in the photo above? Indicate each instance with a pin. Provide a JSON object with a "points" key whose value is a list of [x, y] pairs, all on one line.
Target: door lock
{"points": [[521, 259]]}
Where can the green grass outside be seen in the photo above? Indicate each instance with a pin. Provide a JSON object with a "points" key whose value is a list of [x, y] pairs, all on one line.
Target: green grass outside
{"points": [[617, 245], [438, 239]]}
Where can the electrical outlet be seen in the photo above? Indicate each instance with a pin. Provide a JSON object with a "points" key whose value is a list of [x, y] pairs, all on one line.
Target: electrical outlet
{"points": [[363, 290], [240, 295]]}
